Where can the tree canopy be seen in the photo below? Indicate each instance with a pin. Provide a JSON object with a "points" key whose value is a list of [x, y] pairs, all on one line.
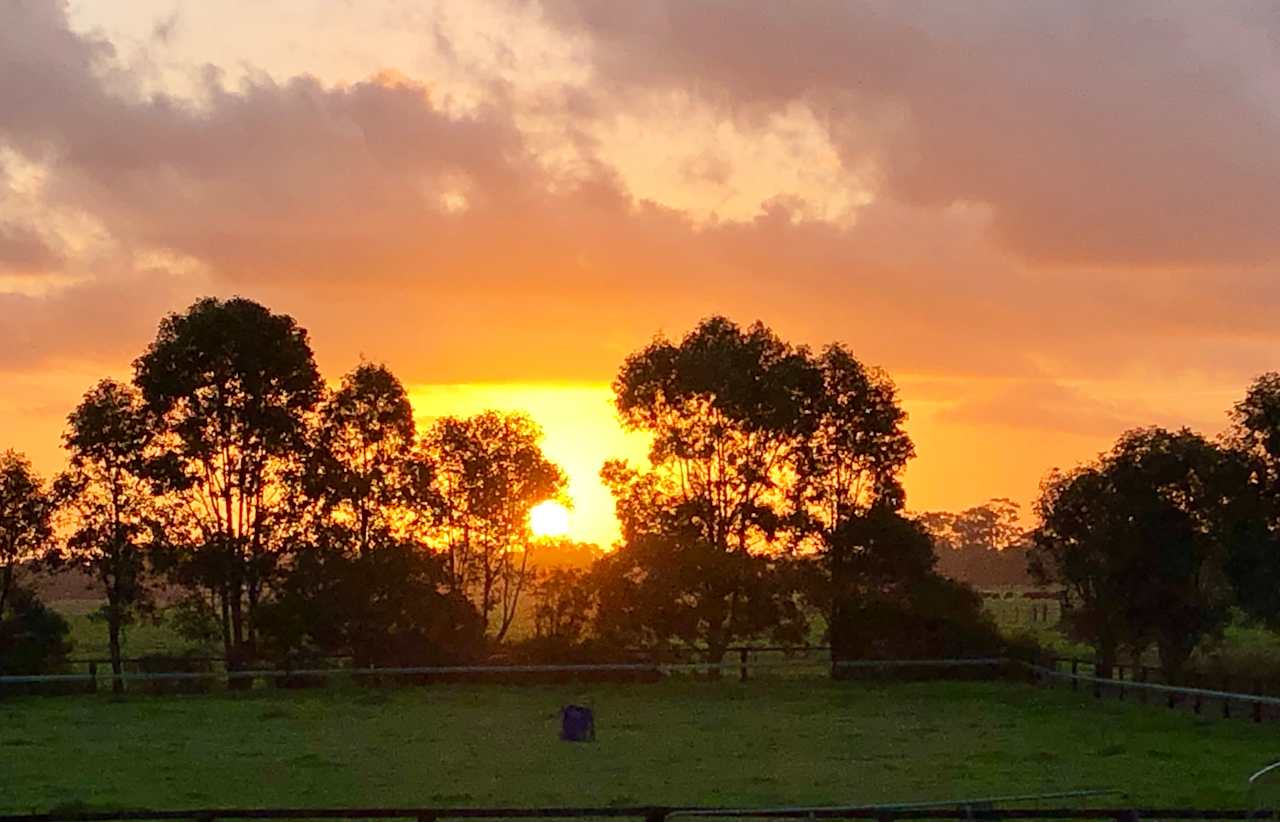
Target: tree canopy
{"points": [[230, 385], [114, 518], [26, 521], [1139, 541]]}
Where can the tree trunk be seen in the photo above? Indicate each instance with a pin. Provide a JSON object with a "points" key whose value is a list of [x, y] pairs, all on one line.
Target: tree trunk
{"points": [[1175, 651], [716, 649], [252, 633], [237, 621], [226, 622], [6, 582], [1106, 658], [113, 639]]}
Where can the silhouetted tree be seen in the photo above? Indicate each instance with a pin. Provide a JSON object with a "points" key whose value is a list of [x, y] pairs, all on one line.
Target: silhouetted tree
{"points": [[26, 524], [359, 578], [759, 449], [671, 589], [1253, 564], [230, 385], [887, 602], [704, 526], [33, 637], [1080, 545], [111, 504], [850, 459], [880, 553], [1139, 542], [363, 474], [386, 606], [564, 600], [489, 472], [726, 409]]}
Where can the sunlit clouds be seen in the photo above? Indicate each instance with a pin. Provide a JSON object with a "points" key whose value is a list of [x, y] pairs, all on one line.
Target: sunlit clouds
{"points": [[1049, 223]]}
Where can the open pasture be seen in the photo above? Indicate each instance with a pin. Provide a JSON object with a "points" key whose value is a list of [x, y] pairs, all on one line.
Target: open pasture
{"points": [[769, 741]]}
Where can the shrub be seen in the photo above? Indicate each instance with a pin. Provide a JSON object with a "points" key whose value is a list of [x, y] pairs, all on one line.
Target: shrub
{"points": [[385, 609], [930, 618], [33, 638]]}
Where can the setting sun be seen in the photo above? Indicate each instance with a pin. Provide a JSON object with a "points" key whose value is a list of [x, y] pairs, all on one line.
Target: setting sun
{"points": [[549, 519]]}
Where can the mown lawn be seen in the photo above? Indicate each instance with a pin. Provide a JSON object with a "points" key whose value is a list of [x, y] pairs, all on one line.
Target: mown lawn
{"points": [[679, 742]]}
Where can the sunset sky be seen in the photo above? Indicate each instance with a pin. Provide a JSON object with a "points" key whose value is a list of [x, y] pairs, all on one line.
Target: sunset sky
{"points": [[1049, 222]]}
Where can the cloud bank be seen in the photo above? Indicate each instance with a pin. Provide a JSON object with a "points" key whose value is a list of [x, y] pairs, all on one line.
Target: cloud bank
{"points": [[1011, 196]]}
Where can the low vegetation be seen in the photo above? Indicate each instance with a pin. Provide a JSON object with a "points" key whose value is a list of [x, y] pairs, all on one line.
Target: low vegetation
{"points": [[807, 741]]}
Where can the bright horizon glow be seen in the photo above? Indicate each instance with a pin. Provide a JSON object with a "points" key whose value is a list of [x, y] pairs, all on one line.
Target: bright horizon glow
{"points": [[580, 431], [549, 519]]}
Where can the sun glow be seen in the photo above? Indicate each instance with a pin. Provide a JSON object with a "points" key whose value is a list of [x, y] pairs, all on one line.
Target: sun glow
{"points": [[549, 519], [581, 428]]}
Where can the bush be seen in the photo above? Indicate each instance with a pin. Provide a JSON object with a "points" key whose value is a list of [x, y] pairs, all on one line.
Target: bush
{"points": [[385, 609], [929, 618], [33, 638]]}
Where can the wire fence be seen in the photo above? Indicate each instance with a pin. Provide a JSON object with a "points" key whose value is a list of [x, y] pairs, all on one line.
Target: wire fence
{"points": [[1259, 703], [742, 663]]}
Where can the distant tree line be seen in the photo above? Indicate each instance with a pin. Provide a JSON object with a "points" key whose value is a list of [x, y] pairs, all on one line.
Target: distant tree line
{"points": [[985, 546]]}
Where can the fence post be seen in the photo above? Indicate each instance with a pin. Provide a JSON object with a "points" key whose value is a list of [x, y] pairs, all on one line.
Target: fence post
{"points": [[1142, 672], [1199, 703], [93, 677], [1226, 703], [1075, 671], [1120, 679], [742, 662]]}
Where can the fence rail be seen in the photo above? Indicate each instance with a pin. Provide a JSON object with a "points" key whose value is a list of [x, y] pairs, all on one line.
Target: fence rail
{"points": [[1193, 697], [741, 660], [651, 813]]}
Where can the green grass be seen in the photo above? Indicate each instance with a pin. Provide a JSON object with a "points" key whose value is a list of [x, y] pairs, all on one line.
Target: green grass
{"points": [[89, 634], [678, 742]]}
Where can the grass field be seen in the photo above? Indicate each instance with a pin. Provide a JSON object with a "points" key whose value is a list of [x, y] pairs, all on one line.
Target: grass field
{"points": [[148, 636], [678, 742]]}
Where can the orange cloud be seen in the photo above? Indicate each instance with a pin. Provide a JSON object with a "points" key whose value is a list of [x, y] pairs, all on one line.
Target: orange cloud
{"points": [[992, 206]]}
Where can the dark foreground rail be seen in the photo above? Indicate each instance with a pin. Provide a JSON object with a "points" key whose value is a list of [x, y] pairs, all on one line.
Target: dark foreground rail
{"points": [[652, 813]]}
